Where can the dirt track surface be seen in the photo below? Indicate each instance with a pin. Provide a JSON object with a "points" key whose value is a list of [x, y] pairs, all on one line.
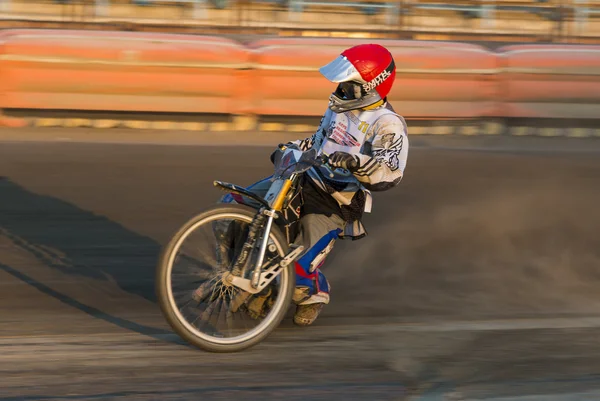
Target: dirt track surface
{"points": [[479, 279]]}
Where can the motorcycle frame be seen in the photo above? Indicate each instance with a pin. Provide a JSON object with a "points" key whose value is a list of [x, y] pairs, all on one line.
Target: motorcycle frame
{"points": [[271, 211]]}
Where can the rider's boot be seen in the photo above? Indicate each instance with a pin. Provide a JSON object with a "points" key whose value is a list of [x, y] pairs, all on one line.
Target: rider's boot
{"points": [[308, 307], [307, 314]]}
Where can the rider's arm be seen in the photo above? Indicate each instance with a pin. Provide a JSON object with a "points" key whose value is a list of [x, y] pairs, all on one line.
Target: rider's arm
{"points": [[382, 167], [317, 137]]}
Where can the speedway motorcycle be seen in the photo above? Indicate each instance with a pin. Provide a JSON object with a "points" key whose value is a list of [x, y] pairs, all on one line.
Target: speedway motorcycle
{"points": [[226, 278]]}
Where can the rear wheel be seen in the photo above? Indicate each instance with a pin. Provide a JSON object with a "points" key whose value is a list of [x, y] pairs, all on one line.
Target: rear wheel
{"points": [[196, 298]]}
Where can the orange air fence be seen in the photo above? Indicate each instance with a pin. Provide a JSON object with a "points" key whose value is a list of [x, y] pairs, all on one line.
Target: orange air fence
{"points": [[433, 79], [151, 72], [550, 81], [117, 71]]}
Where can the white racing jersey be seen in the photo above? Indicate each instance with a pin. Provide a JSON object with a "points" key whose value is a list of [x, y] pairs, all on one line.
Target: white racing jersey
{"points": [[378, 137]]}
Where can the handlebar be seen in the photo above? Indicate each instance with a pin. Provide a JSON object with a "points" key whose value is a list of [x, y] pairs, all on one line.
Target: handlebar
{"points": [[322, 159]]}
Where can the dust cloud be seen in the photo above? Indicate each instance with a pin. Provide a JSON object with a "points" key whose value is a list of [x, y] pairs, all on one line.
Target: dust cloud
{"points": [[497, 246]]}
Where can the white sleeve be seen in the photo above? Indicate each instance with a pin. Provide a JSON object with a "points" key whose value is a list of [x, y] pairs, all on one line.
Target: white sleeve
{"points": [[317, 137], [383, 166]]}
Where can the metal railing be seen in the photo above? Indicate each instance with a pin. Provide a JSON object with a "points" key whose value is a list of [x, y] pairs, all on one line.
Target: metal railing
{"points": [[467, 16], [392, 8]]}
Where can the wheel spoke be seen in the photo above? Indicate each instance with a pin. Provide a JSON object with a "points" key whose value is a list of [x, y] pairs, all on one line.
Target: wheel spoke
{"points": [[212, 310]]}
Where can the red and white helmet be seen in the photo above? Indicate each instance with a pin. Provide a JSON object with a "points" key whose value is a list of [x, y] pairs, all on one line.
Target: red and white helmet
{"points": [[365, 74]]}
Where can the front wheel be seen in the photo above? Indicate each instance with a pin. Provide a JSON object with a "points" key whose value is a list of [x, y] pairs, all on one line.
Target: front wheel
{"points": [[196, 299]]}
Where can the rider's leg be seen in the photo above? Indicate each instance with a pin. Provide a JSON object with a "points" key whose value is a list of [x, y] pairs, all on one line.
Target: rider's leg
{"points": [[318, 233], [319, 228]]}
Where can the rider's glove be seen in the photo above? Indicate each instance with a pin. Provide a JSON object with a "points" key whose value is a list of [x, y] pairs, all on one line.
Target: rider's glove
{"points": [[344, 160]]}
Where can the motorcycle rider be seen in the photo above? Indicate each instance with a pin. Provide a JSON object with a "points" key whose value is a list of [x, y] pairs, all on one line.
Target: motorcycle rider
{"points": [[367, 144]]}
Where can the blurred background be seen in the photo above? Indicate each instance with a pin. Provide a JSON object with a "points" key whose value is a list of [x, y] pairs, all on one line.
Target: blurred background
{"points": [[574, 21], [478, 60], [479, 278]]}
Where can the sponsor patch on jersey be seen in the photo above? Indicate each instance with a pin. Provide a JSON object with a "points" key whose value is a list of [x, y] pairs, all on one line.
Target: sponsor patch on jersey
{"points": [[341, 136]]}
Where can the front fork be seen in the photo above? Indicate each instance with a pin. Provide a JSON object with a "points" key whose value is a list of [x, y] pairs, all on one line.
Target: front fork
{"points": [[239, 268], [256, 226], [263, 248], [264, 218]]}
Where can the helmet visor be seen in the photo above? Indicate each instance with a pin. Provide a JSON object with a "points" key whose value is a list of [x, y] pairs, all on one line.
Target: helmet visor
{"points": [[341, 70]]}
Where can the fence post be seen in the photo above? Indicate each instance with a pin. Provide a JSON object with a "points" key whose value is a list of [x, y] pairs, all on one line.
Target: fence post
{"points": [[581, 15], [488, 8], [101, 9], [294, 7], [393, 13], [199, 9]]}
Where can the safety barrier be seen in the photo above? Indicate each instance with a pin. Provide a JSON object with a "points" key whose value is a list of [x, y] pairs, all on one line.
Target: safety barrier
{"points": [[433, 79], [150, 72], [552, 81], [89, 70]]}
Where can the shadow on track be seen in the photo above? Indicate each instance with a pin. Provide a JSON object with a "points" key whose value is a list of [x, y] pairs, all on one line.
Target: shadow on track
{"points": [[76, 242], [94, 312]]}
